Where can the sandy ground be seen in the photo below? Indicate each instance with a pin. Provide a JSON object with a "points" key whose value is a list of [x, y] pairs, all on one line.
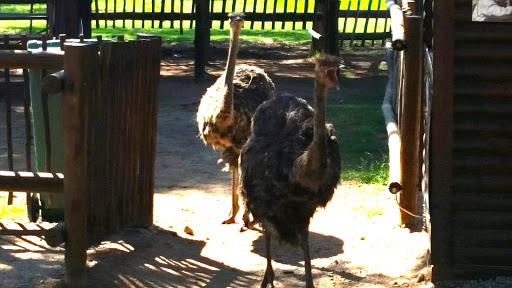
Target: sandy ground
{"points": [[355, 241]]}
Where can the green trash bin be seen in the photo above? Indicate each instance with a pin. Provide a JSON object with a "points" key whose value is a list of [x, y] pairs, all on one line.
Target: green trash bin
{"points": [[52, 205]]}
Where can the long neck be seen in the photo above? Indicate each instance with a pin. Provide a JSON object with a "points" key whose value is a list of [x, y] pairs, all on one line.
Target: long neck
{"points": [[230, 67], [319, 132], [316, 152]]}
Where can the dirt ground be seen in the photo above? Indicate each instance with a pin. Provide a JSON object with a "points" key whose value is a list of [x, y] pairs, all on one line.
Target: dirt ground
{"points": [[355, 241]]}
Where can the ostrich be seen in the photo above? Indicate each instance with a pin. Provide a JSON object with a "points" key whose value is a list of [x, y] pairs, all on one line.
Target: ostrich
{"points": [[225, 112], [290, 165]]}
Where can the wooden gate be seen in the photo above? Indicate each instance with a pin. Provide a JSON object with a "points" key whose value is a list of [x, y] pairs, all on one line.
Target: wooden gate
{"points": [[110, 102]]}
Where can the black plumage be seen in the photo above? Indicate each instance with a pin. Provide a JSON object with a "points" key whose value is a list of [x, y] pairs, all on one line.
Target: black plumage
{"points": [[290, 166]]}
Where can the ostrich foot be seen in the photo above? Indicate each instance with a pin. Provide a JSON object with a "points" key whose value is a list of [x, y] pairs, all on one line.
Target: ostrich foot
{"points": [[268, 279], [230, 220]]}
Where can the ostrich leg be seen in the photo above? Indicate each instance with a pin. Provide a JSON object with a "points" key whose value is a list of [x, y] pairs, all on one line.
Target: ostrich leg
{"points": [[304, 243], [234, 197], [269, 272]]}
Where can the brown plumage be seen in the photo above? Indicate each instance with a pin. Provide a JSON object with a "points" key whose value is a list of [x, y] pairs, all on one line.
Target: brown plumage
{"points": [[224, 116], [291, 165]]}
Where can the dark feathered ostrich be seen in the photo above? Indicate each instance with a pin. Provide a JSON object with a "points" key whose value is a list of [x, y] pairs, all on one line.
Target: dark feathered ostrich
{"points": [[290, 165], [226, 109]]}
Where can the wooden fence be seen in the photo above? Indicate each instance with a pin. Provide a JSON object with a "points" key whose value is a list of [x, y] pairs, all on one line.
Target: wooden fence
{"points": [[110, 101], [357, 19]]}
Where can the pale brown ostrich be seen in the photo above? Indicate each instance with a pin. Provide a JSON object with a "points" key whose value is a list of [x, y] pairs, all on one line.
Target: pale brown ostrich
{"points": [[225, 112], [291, 165]]}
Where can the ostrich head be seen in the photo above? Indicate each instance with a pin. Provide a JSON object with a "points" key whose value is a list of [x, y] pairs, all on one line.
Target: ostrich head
{"points": [[236, 20], [326, 71]]}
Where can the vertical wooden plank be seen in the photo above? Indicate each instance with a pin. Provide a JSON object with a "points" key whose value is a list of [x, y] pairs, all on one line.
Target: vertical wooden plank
{"points": [[254, 11], [97, 9], [376, 22], [171, 25], [294, 13], [212, 7], [244, 8], [153, 13], [193, 12], [115, 12], [233, 6], [332, 28], [116, 73], [124, 10], [274, 13], [26, 106], [306, 4], [143, 11], [264, 13], [151, 67], [31, 11], [133, 10], [285, 11], [131, 124], [319, 23], [7, 99], [106, 118], [181, 17], [223, 11], [154, 71], [441, 167], [80, 64], [202, 36], [355, 23], [345, 22], [162, 13], [366, 23], [138, 128], [106, 12]]}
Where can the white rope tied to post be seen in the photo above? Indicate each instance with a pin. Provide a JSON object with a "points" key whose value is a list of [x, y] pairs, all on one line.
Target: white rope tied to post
{"points": [[403, 209]]}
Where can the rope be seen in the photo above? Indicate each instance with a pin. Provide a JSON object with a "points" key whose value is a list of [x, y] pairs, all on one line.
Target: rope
{"points": [[403, 209]]}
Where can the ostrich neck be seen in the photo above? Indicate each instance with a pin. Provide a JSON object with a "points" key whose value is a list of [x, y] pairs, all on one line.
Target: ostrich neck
{"points": [[230, 68], [319, 132], [317, 148], [311, 166]]}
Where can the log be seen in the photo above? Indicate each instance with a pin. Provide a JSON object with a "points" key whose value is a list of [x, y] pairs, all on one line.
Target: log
{"points": [[54, 83], [410, 119], [31, 182], [81, 64], [19, 59], [56, 235]]}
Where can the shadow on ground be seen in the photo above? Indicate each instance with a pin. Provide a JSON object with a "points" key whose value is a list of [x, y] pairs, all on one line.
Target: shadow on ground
{"points": [[320, 246], [160, 258]]}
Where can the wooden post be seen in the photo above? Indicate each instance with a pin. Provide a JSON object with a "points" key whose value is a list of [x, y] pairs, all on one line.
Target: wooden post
{"points": [[319, 23], [202, 38], [80, 64], [441, 153], [410, 118], [7, 97], [332, 41]]}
